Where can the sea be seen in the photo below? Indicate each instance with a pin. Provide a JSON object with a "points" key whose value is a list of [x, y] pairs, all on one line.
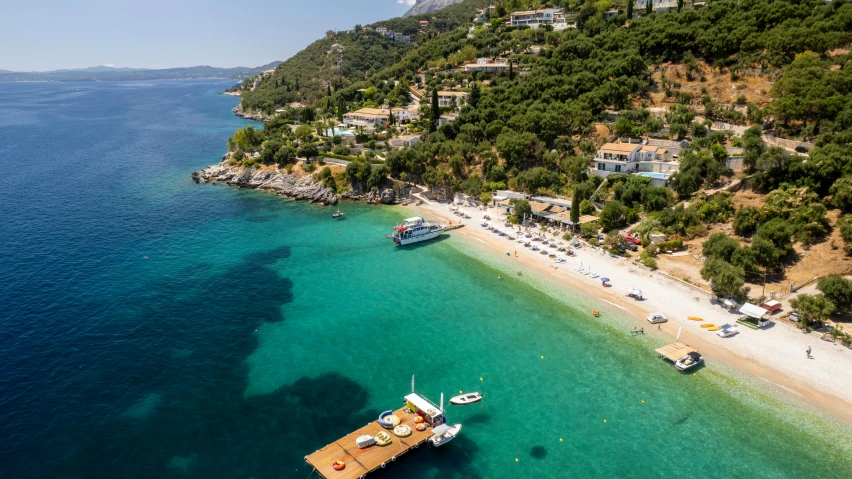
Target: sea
{"points": [[153, 327]]}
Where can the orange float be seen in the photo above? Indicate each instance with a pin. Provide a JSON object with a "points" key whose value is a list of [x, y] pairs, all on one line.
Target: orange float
{"points": [[418, 419], [420, 426], [338, 465]]}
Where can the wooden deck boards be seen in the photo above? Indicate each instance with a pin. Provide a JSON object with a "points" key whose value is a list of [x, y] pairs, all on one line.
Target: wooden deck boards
{"points": [[358, 461], [674, 351]]}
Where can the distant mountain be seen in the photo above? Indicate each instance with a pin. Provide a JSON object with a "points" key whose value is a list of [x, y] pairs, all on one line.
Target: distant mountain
{"points": [[428, 6], [108, 73]]}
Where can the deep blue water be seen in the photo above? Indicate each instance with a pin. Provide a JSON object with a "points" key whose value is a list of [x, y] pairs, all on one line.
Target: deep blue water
{"points": [[152, 327]]}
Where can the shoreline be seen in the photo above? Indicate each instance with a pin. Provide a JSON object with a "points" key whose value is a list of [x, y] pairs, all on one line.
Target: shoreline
{"points": [[775, 356]]}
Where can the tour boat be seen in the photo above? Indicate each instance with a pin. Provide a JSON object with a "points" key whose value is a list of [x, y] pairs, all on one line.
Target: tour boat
{"points": [[689, 361], [338, 214], [414, 230], [465, 399], [444, 434]]}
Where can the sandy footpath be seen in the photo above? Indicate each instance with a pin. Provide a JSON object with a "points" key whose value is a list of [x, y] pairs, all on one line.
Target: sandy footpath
{"points": [[775, 354]]}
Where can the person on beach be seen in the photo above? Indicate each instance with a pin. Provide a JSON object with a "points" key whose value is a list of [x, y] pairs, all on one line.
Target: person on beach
{"points": [[808, 352]]}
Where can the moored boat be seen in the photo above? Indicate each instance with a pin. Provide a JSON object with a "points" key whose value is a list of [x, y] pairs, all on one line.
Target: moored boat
{"points": [[444, 434], [414, 230], [465, 399], [338, 214], [689, 361]]}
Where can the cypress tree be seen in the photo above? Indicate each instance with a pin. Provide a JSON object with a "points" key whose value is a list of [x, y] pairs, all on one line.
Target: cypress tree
{"points": [[436, 110], [649, 6], [575, 207], [679, 5], [630, 9], [511, 73], [329, 89]]}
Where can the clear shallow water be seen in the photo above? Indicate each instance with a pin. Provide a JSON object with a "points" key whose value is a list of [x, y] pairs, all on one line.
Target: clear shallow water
{"points": [[152, 327]]}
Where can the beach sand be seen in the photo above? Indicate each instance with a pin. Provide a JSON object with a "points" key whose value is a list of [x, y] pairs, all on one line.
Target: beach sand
{"points": [[774, 355]]}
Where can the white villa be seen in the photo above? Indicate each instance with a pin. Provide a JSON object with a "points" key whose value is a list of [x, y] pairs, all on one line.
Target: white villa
{"points": [[452, 98], [536, 18], [656, 5], [404, 141], [366, 117], [487, 66], [447, 118], [405, 115], [652, 161]]}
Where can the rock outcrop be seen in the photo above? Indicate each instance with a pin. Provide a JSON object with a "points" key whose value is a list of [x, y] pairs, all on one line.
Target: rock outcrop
{"points": [[274, 180], [428, 6], [238, 110]]}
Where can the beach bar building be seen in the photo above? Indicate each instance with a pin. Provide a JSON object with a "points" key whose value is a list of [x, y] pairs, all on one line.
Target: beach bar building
{"points": [[755, 316]]}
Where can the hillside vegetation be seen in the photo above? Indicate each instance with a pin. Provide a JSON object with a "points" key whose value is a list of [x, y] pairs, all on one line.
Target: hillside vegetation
{"points": [[780, 66]]}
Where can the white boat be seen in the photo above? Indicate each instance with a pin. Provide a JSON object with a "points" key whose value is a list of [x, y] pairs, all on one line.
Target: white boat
{"points": [[414, 230], [689, 361], [465, 399], [444, 434], [726, 331]]}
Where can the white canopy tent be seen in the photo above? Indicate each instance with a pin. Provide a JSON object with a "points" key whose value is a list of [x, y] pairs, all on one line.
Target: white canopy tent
{"points": [[755, 312]]}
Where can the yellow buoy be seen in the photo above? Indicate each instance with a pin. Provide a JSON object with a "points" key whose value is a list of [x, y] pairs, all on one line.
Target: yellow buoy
{"points": [[604, 420], [480, 379], [542, 357], [643, 401], [560, 439], [460, 391], [516, 459]]}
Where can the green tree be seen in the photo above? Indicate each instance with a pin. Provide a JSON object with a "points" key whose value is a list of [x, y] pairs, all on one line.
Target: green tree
{"points": [[436, 110], [838, 290], [746, 220], [575, 207], [308, 151], [612, 215], [303, 132], [521, 208], [679, 5], [649, 7], [813, 309], [475, 95], [726, 278], [630, 9], [721, 246]]}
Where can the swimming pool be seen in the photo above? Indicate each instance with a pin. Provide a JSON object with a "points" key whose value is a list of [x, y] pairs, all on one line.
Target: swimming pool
{"points": [[652, 174]]}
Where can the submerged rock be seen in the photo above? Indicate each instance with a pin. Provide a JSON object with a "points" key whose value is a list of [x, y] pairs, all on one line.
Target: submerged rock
{"points": [[275, 180]]}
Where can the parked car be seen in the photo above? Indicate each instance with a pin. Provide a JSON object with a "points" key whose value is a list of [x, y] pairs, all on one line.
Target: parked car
{"points": [[794, 317], [801, 149], [632, 247]]}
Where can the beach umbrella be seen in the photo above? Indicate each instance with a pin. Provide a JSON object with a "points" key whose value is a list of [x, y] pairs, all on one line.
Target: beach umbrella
{"points": [[605, 280]]}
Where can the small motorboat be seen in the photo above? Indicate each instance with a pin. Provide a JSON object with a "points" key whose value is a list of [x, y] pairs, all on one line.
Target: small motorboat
{"points": [[465, 399], [444, 434], [726, 331], [338, 214], [689, 361], [365, 441]]}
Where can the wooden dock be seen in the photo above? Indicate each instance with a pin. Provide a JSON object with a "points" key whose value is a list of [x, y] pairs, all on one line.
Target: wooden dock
{"points": [[453, 226], [359, 462], [674, 351]]}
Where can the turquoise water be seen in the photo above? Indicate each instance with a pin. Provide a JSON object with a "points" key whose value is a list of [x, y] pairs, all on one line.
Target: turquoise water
{"points": [[158, 328]]}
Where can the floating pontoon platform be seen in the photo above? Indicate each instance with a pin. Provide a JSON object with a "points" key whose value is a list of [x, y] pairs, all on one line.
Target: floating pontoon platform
{"points": [[674, 351], [360, 462]]}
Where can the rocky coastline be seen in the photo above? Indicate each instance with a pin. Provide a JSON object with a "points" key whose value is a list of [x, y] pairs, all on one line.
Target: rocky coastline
{"points": [[238, 110], [274, 180]]}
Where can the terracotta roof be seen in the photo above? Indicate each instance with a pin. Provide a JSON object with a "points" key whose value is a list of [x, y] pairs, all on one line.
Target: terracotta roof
{"points": [[453, 93], [622, 148]]}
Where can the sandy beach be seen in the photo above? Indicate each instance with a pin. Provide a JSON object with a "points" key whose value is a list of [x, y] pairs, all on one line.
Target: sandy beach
{"points": [[774, 355]]}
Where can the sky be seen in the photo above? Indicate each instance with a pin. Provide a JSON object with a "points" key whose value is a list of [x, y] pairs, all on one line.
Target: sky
{"points": [[55, 34]]}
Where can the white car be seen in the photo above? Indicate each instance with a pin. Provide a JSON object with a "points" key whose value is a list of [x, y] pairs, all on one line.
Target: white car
{"points": [[657, 317], [727, 331]]}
